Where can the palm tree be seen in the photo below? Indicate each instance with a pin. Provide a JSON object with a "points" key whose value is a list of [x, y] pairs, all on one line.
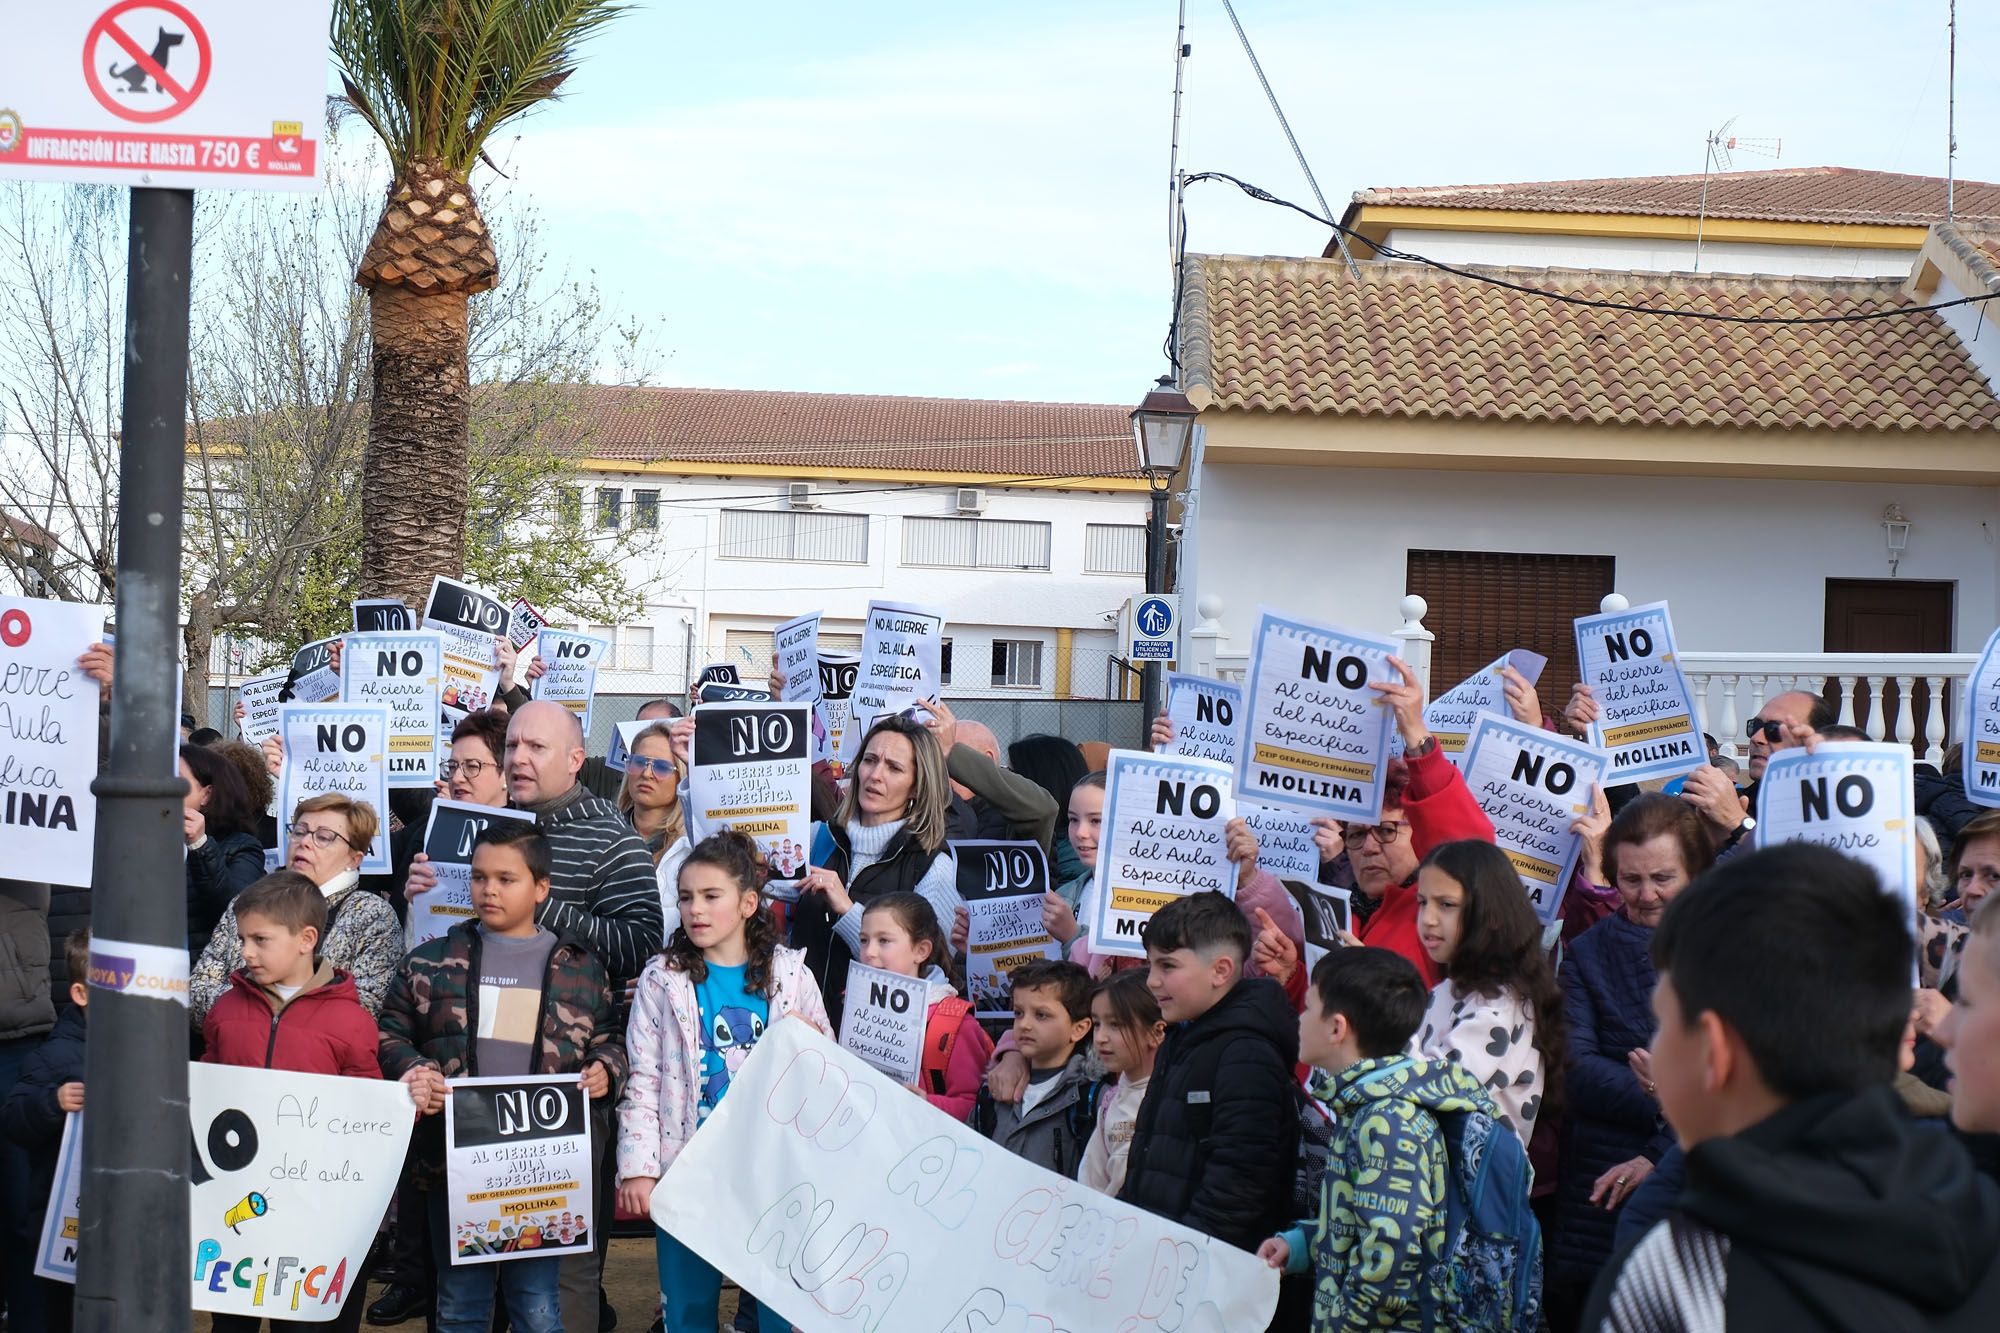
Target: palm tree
{"points": [[435, 79]]}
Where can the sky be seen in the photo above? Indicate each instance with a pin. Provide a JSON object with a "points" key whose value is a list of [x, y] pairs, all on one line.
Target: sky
{"points": [[970, 200]]}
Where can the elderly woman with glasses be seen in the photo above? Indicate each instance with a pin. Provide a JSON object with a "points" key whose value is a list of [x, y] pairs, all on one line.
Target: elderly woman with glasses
{"points": [[327, 840]]}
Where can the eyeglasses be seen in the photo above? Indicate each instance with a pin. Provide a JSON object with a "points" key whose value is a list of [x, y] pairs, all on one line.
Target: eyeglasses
{"points": [[646, 766], [1384, 834], [1773, 731], [472, 768], [324, 837]]}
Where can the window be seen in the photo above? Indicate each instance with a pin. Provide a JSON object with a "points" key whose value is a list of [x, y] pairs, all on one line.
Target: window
{"points": [[975, 543], [1114, 548], [610, 507], [1017, 662], [793, 534], [1485, 603], [646, 510], [944, 662], [569, 506], [635, 648]]}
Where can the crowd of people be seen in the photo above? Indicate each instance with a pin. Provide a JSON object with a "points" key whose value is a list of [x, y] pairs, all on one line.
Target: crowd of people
{"points": [[1710, 1096]]}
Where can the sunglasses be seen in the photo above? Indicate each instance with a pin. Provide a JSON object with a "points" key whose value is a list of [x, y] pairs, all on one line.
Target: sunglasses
{"points": [[647, 766], [1772, 731]]}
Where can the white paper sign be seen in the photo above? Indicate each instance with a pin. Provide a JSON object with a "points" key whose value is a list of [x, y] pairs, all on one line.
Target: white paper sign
{"points": [[62, 1220], [525, 624], [402, 673], [834, 713], [312, 679], [48, 739], [1450, 716], [796, 643], [259, 696], [883, 1022], [1324, 913], [845, 1203], [902, 646], [382, 615], [1163, 839], [470, 620], [752, 771], [622, 737], [1533, 785], [517, 1168], [1002, 884], [1981, 737], [1207, 717], [336, 748], [448, 838], [570, 675], [1856, 798], [1285, 845], [1650, 726], [1318, 736]]}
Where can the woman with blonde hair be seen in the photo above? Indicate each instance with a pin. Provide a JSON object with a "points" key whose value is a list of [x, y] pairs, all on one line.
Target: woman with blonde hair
{"points": [[650, 800]]}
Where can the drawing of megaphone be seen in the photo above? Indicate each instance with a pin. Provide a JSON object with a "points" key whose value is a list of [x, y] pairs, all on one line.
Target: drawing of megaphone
{"points": [[248, 1209]]}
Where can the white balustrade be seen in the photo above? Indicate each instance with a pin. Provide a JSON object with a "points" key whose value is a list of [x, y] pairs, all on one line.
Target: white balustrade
{"points": [[1730, 688]]}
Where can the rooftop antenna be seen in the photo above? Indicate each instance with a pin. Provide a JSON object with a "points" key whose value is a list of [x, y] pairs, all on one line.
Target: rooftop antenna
{"points": [[1950, 107], [1174, 151], [1722, 144]]}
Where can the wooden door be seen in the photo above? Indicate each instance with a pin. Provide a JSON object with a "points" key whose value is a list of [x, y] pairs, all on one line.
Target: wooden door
{"points": [[1890, 616]]}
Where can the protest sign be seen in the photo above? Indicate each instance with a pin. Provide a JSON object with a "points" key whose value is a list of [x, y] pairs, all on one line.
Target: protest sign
{"points": [[1450, 716], [1285, 845], [517, 1168], [622, 737], [751, 770], [1002, 884], [835, 709], [796, 643], [1981, 737], [1533, 785], [336, 748], [1325, 913], [884, 1020], [722, 692], [1650, 726], [48, 739], [448, 839], [1858, 798], [570, 677], [830, 1194], [722, 672], [290, 1176], [401, 672], [62, 1219], [382, 615], [470, 621], [1318, 736], [312, 679], [259, 697], [524, 624], [1162, 840], [902, 646], [1207, 717]]}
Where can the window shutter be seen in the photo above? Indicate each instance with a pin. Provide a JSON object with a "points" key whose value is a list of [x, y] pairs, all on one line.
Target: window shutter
{"points": [[1485, 603]]}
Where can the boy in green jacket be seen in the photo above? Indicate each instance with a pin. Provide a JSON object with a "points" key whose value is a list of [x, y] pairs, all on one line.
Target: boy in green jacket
{"points": [[1379, 1240]]}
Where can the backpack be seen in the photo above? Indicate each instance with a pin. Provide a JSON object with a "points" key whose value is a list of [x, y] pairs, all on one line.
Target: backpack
{"points": [[1491, 1277], [941, 1032]]}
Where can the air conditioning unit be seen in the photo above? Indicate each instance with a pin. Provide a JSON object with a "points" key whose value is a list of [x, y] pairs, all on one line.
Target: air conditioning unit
{"points": [[971, 500], [801, 494]]}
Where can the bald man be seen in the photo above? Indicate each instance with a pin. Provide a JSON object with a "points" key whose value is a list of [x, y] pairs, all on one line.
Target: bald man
{"points": [[1726, 811], [988, 801]]}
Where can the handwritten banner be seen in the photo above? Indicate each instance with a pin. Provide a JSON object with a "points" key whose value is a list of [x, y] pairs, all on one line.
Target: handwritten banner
{"points": [[796, 644], [1650, 727], [1207, 717], [336, 748], [1002, 884], [48, 739], [569, 677], [1450, 716], [1163, 839], [1533, 785], [448, 838], [1858, 798], [1981, 737], [471, 620], [902, 648], [401, 672], [259, 697], [517, 1168], [884, 1019], [752, 771], [1318, 736], [1285, 845], [829, 1193]]}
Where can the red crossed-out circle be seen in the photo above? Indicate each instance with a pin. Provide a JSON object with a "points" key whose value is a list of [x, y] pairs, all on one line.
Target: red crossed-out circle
{"points": [[15, 627], [181, 96]]}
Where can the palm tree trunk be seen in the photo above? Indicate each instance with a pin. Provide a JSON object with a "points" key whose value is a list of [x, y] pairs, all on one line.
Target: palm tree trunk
{"points": [[413, 472]]}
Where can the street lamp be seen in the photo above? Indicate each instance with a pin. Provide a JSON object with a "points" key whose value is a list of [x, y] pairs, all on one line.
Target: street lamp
{"points": [[1162, 425]]}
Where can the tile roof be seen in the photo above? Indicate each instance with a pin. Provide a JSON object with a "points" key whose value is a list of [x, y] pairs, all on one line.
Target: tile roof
{"points": [[1978, 246], [1301, 335], [1786, 194], [837, 430]]}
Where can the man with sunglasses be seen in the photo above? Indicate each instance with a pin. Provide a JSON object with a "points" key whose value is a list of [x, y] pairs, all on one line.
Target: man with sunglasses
{"points": [[1724, 809]]}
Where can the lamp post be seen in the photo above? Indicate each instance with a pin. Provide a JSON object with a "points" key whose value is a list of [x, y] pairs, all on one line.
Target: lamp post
{"points": [[1162, 425]]}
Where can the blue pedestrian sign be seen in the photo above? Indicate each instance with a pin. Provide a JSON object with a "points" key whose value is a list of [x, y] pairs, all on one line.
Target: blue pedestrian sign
{"points": [[1155, 618]]}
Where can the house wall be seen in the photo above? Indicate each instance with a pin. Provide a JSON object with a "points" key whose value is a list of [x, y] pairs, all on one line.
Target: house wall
{"points": [[1630, 254], [1743, 561]]}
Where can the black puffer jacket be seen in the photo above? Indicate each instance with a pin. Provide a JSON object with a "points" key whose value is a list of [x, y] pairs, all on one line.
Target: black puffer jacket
{"points": [[217, 871], [1216, 1144], [25, 1010]]}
